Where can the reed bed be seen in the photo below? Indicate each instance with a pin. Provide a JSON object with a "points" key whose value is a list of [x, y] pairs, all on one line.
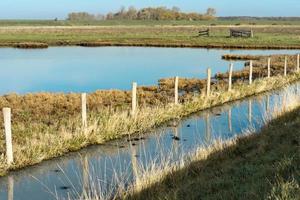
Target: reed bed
{"points": [[260, 66]]}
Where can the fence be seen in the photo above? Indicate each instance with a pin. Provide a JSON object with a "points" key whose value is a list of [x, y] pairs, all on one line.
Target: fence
{"points": [[241, 33], [204, 33], [7, 111]]}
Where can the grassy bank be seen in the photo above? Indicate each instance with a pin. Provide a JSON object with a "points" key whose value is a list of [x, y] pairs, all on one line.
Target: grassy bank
{"points": [[257, 166], [265, 36], [34, 141]]}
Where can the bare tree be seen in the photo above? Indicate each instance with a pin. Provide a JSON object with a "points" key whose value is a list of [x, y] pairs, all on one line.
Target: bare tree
{"points": [[211, 12]]}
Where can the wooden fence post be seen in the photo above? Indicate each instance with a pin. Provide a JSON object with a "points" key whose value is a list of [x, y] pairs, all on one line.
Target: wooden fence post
{"points": [[285, 66], [83, 110], [250, 72], [8, 137], [230, 77], [252, 33], [269, 67], [134, 98], [176, 90], [298, 63], [208, 81]]}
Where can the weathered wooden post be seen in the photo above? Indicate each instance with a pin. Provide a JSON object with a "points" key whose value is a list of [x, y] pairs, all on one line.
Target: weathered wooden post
{"points": [[250, 72], [269, 67], [176, 90], [252, 33], [208, 82], [83, 111], [8, 137], [298, 63], [134, 98], [230, 77], [285, 65]]}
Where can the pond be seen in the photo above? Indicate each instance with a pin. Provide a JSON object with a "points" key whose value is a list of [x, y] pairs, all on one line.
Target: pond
{"points": [[81, 69]]}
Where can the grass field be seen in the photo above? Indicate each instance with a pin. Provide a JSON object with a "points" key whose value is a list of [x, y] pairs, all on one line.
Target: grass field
{"points": [[145, 22], [259, 166], [267, 34]]}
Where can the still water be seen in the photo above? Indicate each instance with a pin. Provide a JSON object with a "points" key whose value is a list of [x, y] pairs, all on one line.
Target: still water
{"points": [[81, 69], [104, 167]]}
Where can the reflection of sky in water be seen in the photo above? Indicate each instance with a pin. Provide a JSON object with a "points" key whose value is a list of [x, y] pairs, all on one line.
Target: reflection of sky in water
{"points": [[105, 161], [78, 69]]}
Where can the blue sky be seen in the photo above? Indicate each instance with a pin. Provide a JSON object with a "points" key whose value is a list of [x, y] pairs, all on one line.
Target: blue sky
{"points": [[38, 9]]}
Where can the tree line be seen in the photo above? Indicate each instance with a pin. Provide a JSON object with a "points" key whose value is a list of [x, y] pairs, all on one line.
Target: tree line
{"points": [[150, 13]]}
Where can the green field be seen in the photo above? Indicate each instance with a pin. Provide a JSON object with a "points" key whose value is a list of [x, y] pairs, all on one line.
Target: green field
{"points": [[145, 22], [285, 34]]}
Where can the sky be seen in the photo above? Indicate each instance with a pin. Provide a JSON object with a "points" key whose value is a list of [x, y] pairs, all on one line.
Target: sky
{"points": [[50, 9]]}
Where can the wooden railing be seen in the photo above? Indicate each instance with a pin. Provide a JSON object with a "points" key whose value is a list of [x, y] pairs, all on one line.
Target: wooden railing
{"points": [[241, 33]]}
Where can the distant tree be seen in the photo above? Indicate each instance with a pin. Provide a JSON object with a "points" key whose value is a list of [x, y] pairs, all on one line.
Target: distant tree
{"points": [[132, 13], [150, 13], [176, 9], [81, 16], [109, 16], [211, 12]]}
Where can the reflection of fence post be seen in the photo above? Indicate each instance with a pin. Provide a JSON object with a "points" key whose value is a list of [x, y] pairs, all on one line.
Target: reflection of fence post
{"points": [[208, 128], [10, 188], [85, 176], [250, 72], [284, 107], [250, 111], [229, 120], [176, 143], [176, 90], [268, 103], [298, 63], [269, 67], [230, 77], [83, 110], [285, 65], [8, 137], [134, 100], [208, 81], [135, 167]]}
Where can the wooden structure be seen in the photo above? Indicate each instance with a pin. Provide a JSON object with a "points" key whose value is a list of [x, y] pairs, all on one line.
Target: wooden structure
{"points": [[204, 33], [241, 33]]}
